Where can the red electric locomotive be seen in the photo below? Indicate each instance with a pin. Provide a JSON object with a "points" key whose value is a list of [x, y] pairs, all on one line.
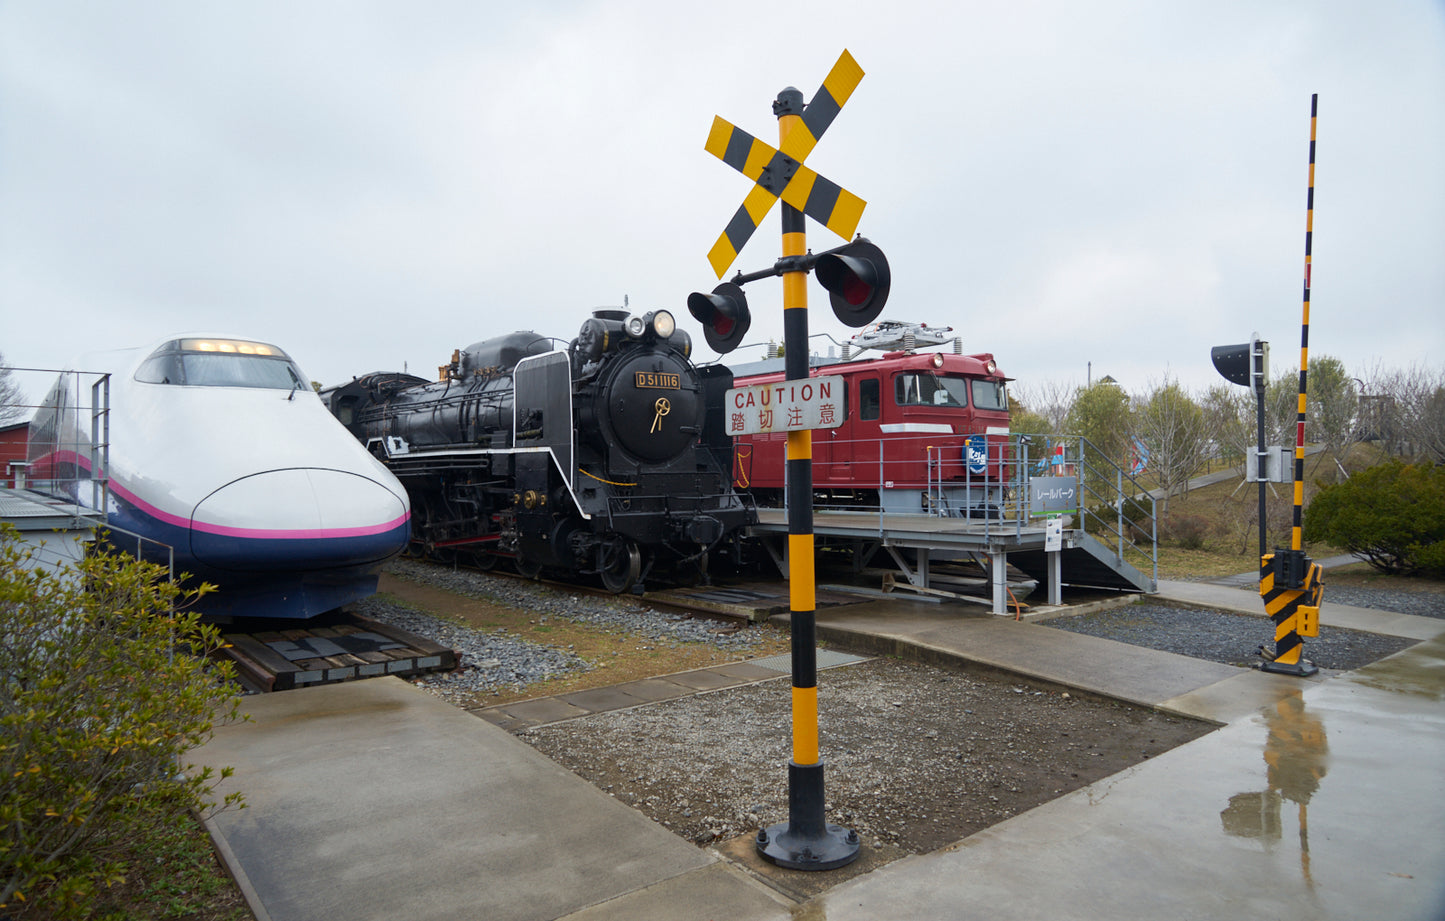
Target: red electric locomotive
{"points": [[922, 433]]}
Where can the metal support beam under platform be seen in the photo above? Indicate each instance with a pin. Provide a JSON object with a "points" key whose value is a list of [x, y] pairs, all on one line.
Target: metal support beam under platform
{"points": [[1082, 559]]}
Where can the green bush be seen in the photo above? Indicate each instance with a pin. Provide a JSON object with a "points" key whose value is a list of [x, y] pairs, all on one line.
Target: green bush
{"points": [[104, 687], [1392, 514]]}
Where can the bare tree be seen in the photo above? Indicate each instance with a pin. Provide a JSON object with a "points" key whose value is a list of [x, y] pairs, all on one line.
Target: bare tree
{"points": [[1281, 408], [1406, 411], [1175, 432], [1229, 416], [11, 398], [1051, 400], [1332, 408]]}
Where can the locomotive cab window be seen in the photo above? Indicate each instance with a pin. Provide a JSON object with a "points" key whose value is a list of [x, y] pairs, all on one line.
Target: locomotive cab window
{"points": [[929, 389], [869, 404], [990, 395], [221, 363]]}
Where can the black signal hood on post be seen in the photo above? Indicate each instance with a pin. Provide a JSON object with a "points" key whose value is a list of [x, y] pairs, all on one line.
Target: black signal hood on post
{"points": [[856, 277], [723, 314], [1245, 364]]}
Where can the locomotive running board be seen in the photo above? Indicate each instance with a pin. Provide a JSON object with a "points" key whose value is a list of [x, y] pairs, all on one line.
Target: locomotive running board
{"points": [[422, 457]]}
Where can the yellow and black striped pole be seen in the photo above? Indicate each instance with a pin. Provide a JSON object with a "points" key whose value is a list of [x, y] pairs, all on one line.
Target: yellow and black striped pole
{"points": [[806, 841], [1296, 535], [1290, 584]]}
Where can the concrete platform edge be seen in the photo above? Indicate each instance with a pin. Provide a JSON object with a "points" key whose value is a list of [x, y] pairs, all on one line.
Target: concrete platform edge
{"points": [[233, 866]]}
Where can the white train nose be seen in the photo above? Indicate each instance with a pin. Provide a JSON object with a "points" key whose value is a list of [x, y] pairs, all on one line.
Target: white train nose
{"points": [[298, 518]]}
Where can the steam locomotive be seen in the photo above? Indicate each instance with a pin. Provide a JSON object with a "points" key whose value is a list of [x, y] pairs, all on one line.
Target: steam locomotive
{"points": [[597, 459]]}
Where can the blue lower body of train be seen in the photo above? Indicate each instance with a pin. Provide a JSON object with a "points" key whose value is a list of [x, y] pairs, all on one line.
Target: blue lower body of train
{"points": [[286, 575]]}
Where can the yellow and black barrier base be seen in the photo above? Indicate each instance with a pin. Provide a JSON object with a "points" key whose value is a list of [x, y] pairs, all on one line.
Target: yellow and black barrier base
{"points": [[1292, 587]]}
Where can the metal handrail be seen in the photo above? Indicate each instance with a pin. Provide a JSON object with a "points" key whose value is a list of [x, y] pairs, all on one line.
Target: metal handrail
{"points": [[1002, 505], [82, 431]]}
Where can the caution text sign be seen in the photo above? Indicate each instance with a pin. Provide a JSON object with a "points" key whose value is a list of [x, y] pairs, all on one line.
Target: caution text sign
{"points": [[785, 406]]}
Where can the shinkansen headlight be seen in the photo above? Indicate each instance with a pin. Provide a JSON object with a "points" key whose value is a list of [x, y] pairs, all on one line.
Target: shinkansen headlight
{"points": [[663, 324], [635, 327]]}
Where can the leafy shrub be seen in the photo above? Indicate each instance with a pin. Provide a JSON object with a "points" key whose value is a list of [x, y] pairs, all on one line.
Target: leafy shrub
{"points": [[1392, 514], [103, 689]]}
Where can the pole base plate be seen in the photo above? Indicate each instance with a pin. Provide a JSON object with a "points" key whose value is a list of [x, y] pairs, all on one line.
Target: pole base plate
{"points": [[1301, 669], [835, 847]]}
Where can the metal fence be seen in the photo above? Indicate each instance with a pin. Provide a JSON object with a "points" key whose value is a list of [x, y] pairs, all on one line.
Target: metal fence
{"points": [[995, 492], [66, 451]]}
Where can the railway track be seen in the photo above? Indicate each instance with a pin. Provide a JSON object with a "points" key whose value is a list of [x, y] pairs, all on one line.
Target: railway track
{"points": [[344, 646], [339, 647]]}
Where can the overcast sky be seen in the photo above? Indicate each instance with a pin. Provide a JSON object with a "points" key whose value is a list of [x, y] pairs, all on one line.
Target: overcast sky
{"points": [[1110, 185]]}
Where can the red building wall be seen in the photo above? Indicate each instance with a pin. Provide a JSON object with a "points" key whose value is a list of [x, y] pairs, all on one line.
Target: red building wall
{"points": [[12, 448]]}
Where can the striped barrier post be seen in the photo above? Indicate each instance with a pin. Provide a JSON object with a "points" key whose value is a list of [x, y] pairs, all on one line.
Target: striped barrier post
{"points": [[1290, 584]]}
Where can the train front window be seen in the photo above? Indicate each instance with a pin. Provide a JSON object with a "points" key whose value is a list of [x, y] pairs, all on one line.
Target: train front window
{"points": [[222, 363], [990, 395], [928, 389]]}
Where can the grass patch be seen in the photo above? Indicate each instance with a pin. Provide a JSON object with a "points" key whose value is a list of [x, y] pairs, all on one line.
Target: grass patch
{"points": [[1224, 521]]}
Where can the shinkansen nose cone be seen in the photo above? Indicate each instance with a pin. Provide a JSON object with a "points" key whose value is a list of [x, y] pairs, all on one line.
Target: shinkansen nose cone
{"points": [[299, 518]]}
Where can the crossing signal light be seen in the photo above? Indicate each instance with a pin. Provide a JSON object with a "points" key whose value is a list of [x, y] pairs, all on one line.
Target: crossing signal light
{"points": [[723, 314], [857, 278], [1245, 364]]}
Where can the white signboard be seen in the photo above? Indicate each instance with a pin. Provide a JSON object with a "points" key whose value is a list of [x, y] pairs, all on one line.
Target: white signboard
{"points": [[1054, 534], [785, 406]]}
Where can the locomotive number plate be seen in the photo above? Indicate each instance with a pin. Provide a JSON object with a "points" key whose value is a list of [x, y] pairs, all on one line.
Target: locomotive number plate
{"points": [[658, 380]]}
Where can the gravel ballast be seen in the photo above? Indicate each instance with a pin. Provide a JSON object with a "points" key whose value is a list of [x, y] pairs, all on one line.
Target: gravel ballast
{"points": [[493, 661], [1219, 636]]}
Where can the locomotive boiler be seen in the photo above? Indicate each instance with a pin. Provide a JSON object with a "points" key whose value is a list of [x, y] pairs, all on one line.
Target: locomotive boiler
{"points": [[593, 459]]}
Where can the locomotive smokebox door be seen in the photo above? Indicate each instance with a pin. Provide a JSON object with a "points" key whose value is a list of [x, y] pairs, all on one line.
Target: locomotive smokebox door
{"points": [[656, 407]]}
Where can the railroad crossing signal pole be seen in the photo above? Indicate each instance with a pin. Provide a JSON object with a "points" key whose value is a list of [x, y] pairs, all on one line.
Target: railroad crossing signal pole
{"points": [[857, 278], [806, 841], [1290, 585]]}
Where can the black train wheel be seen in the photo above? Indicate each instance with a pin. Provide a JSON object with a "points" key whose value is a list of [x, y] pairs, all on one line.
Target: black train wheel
{"points": [[527, 568], [619, 562], [484, 561]]}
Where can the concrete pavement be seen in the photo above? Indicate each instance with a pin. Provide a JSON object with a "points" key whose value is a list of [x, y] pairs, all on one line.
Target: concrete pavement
{"points": [[1319, 798]]}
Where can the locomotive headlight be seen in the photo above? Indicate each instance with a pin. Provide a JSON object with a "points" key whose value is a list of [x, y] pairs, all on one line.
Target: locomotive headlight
{"points": [[991, 366], [635, 327], [938, 359], [663, 324], [681, 342]]}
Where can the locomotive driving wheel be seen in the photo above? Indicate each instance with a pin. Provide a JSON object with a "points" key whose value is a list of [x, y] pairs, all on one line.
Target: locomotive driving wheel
{"points": [[619, 562], [484, 561], [527, 567]]}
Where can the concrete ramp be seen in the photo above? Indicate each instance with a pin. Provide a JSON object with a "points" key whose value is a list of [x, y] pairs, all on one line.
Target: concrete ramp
{"points": [[372, 799]]}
